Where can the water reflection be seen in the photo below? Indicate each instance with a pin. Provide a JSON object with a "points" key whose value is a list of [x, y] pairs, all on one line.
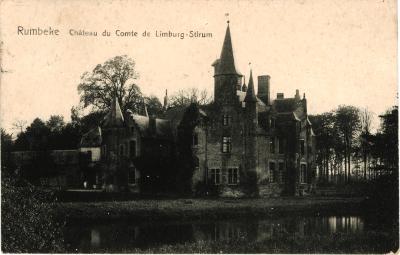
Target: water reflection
{"points": [[122, 235]]}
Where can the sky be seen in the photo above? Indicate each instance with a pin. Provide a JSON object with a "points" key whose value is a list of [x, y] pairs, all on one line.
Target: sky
{"points": [[337, 52]]}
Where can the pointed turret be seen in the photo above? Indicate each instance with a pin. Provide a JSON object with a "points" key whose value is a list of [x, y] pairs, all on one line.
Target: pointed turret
{"points": [[226, 64], [166, 100], [115, 117], [244, 87], [250, 94]]}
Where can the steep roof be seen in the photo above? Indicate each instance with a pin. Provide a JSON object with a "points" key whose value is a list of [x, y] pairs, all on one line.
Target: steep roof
{"points": [[114, 118], [285, 104], [162, 127], [250, 94], [226, 63], [92, 138]]}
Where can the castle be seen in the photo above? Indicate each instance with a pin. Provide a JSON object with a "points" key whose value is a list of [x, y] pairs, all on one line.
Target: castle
{"points": [[242, 144]]}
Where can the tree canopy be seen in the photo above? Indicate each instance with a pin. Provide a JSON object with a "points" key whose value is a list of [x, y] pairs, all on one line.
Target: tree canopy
{"points": [[115, 78]]}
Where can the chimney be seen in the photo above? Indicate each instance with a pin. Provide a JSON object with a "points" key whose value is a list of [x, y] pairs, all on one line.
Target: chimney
{"points": [[280, 96], [263, 88], [297, 96]]}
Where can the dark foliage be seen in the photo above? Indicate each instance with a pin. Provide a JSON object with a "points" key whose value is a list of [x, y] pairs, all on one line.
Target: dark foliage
{"points": [[28, 221], [186, 159]]}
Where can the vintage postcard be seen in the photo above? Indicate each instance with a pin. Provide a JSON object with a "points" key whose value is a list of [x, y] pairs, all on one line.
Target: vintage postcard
{"points": [[248, 126]]}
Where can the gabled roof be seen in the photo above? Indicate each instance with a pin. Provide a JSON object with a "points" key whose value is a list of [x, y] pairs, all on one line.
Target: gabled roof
{"points": [[92, 138]]}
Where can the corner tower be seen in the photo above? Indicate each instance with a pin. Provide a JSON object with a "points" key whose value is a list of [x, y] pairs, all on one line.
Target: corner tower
{"points": [[226, 77]]}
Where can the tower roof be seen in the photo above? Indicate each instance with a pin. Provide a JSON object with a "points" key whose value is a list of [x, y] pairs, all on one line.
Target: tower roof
{"points": [[227, 60], [115, 117], [250, 94]]}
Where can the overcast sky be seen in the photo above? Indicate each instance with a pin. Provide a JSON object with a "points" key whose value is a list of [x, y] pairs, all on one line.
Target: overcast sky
{"points": [[337, 52]]}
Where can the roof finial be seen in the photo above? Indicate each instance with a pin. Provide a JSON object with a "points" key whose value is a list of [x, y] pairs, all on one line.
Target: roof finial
{"points": [[227, 16]]}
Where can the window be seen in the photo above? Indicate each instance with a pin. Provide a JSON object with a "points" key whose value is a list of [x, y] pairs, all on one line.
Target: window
{"points": [[215, 176], [302, 146], [233, 176], [132, 149], [195, 139], [226, 120], [281, 145], [303, 173], [272, 145], [282, 172], [272, 171], [132, 176], [272, 123], [226, 144], [121, 150], [132, 130]]}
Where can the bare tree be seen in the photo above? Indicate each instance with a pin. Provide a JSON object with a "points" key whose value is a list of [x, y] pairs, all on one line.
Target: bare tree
{"points": [[188, 96], [19, 125]]}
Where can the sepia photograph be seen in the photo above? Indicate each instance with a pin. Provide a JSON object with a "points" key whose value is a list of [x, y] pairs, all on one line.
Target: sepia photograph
{"points": [[235, 127]]}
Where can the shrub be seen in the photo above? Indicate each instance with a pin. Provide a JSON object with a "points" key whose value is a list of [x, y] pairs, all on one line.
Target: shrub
{"points": [[28, 219]]}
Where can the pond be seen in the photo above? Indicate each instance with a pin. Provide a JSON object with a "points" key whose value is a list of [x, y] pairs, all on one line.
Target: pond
{"points": [[123, 236]]}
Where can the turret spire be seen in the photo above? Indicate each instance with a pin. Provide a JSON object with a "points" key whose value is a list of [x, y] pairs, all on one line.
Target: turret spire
{"points": [[250, 94], [244, 87], [227, 60], [166, 100]]}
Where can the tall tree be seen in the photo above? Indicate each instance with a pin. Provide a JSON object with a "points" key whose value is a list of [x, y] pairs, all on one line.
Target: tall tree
{"points": [[347, 124], [323, 127], [365, 137], [115, 78]]}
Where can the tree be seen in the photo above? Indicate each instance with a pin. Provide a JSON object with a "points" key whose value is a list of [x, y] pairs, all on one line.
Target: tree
{"points": [[115, 78], [154, 106], [6, 146], [323, 126], [365, 137], [347, 124], [188, 96]]}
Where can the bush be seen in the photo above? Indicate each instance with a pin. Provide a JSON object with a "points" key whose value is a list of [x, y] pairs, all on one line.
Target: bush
{"points": [[28, 219]]}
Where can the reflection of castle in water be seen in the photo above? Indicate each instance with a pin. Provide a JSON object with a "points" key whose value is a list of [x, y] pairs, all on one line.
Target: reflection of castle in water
{"points": [[122, 235]]}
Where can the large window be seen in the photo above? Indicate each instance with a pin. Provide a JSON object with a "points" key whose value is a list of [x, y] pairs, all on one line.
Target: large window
{"points": [[226, 144], [215, 176], [226, 120], [272, 172], [272, 145], [281, 145], [121, 150], [302, 150], [303, 173], [282, 172], [233, 176], [132, 176]]}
